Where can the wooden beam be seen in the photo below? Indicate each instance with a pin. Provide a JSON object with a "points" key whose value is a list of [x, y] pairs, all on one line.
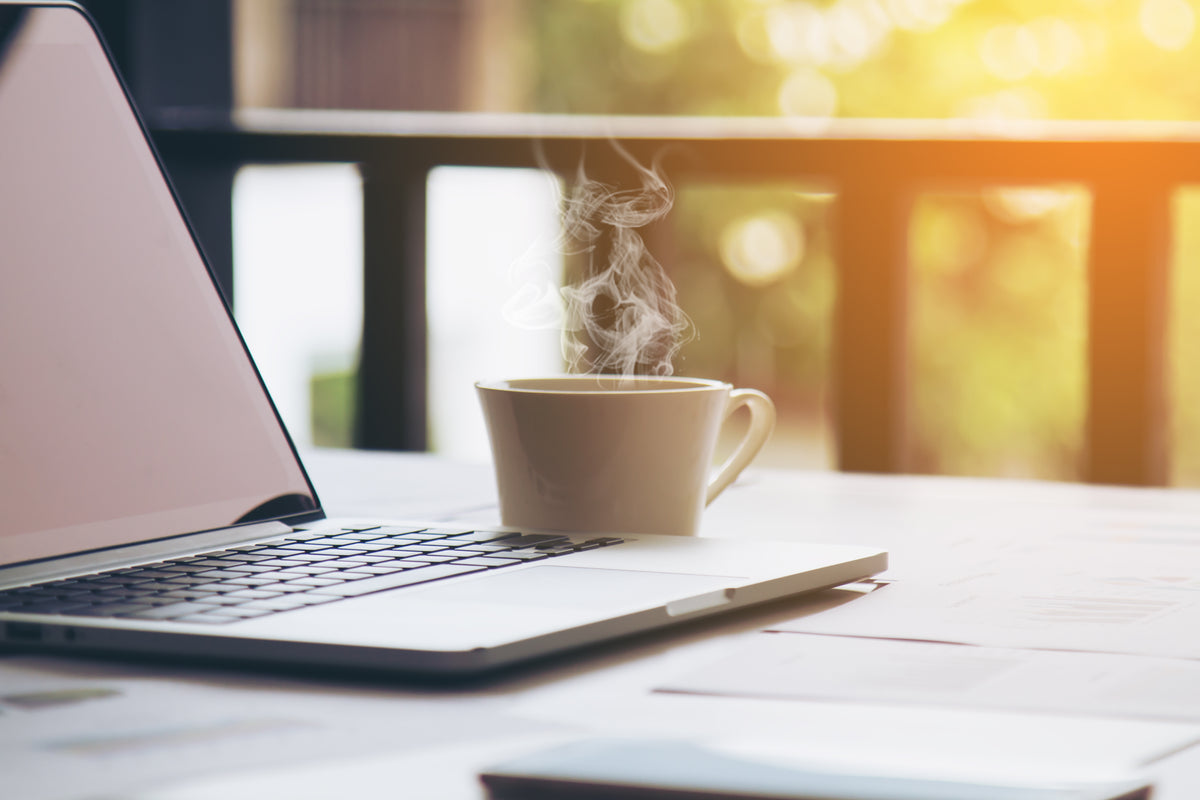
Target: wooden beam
{"points": [[1127, 407]]}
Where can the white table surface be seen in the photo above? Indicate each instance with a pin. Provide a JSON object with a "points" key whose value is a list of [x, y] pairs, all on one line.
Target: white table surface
{"points": [[354, 739]]}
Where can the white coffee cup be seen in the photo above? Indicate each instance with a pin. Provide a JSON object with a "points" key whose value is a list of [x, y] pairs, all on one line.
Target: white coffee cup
{"points": [[611, 453]]}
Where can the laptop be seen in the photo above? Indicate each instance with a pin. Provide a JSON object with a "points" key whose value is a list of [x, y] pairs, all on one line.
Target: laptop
{"points": [[151, 500]]}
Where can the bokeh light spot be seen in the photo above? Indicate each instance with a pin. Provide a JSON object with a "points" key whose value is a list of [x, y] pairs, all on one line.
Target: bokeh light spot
{"points": [[808, 93], [1059, 46], [654, 26], [1023, 204], [1168, 24], [762, 248], [1009, 52], [799, 34], [920, 15]]}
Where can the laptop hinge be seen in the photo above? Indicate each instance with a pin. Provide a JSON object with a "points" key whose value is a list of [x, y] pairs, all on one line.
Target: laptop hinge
{"points": [[130, 555]]}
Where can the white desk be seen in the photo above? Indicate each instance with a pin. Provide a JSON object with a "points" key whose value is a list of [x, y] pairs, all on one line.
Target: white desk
{"points": [[159, 733]]}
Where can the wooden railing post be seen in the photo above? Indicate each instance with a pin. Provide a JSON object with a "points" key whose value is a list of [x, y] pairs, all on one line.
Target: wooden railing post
{"points": [[1127, 407], [392, 372], [870, 361]]}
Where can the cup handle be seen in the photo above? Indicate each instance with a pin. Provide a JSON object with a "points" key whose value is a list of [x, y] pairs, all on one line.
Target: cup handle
{"points": [[762, 421]]}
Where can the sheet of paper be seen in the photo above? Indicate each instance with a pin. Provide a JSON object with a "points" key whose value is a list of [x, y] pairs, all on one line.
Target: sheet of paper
{"points": [[1146, 606], [619, 701], [837, 668], [1060, 567], [879, 736], [83, 729]]}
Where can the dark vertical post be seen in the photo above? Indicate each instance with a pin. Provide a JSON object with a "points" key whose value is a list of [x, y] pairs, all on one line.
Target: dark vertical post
{"points": [[392, 373], [870, 362], [176, 57], [1127, 407]]}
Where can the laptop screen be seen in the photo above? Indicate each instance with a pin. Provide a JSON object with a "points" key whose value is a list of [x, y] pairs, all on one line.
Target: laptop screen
{"points": [[129, 407]]}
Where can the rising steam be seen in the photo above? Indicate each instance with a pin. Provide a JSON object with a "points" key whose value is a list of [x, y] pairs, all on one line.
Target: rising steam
{"points": [[622, 316]]}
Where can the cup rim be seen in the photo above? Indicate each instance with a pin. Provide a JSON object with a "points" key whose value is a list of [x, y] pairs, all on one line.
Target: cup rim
{"points": [[607, 384]]}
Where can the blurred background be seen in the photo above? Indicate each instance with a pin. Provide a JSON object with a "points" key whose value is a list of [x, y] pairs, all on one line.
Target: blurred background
{"points": [[998, 292]]}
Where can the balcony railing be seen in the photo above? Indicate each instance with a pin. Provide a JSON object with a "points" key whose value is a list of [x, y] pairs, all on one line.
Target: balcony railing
{"points": [[875, 168]]}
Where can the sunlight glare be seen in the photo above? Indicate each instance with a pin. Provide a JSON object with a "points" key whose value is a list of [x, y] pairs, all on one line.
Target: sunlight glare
{"points": [[799, 34], [761, 249], [920, 15], [859, 29], [1023, 204], [1009, 52], [1059, 45], [808, 93], [655, 26], [1168, 24]]}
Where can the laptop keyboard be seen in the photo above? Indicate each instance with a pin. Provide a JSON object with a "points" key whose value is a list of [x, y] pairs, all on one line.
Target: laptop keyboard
{"points": [[298, 570]]}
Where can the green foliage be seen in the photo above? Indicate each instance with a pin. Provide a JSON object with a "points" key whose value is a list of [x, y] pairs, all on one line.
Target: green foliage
{"points": [[998, 286], [332, 397]]}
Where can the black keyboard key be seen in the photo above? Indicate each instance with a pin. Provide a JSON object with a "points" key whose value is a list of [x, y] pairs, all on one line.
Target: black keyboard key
{"points": [[215, 586], [303, 537], [283, 587], [396, 530], [375, 569], [482, 536], [486, 548], [187, 594], [424, 547], [511, 556], [53, 607], [253, 594], [396, 564], [183, 580], [257, 580], [403, 552], [285, 603], [219, 574], [311, 582], [119, 596], [536, 540], [341, 563], [206, 619], [337, 541], [486, 561], [237, 612], [289, 574], [247, 558], [157, 573], [555, 549], [431, 572]]}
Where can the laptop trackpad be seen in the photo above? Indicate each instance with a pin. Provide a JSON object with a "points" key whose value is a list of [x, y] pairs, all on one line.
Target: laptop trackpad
{"points": [[577, 588], [498, 608]]}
